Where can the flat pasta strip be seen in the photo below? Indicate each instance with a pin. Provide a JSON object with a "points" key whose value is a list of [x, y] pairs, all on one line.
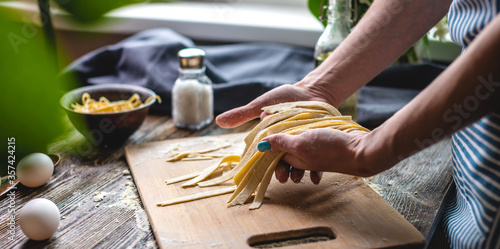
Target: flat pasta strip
{"points": [[290, 115], [184, 155], [261, 191], [224, 178], [204, 174], [210, 170], [252, 179], [315, 105], [182, 178], [197, 196], [243, 171]]}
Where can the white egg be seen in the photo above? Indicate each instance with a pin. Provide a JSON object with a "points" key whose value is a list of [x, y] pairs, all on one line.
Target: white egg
{"points": [[34, 170], [39, 219]]}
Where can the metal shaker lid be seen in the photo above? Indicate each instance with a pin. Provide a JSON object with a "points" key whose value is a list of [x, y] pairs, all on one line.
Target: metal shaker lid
{"points": [[191, 58]]}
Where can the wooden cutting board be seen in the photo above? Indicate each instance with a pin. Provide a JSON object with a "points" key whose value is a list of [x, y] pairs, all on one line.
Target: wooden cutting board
{"points": [[341, 212]]}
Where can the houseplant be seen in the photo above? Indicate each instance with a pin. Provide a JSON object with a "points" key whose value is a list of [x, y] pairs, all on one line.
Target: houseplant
{"points": [[439, 34]]}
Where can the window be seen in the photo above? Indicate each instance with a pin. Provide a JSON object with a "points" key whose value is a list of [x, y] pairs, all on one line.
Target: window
{"points": [[281, 21]]}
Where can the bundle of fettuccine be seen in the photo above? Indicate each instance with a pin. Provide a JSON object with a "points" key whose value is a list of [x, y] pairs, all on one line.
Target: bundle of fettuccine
{"points": [[255, 169]]}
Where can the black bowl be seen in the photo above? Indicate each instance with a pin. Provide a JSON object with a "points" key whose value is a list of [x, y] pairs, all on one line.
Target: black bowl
{"points": [[112, 128]]}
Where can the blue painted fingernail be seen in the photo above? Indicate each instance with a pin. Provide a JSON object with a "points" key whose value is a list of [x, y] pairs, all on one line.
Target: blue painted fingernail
{"points": [[264, 146]]}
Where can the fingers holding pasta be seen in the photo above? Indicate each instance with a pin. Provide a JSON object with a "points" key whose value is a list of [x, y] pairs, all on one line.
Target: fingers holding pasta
{"points": [[319, 150]]}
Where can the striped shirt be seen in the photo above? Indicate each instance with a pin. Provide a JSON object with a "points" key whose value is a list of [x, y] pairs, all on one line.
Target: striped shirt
{"points": [[472, 217]]}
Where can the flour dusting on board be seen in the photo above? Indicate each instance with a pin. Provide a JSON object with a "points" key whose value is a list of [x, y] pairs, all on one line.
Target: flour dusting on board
{"points": [[218, 244], [99, 196], [176, 242], [128, 199], [150, 244], [374, 186]]}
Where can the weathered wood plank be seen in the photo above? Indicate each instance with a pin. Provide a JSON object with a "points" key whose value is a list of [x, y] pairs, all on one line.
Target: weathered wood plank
{"points": [[417, 186]]}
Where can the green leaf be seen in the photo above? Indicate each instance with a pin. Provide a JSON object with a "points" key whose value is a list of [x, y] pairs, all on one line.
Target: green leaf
{"points": [[425, 45], [92, 10], [30, 89], [316, 9]]}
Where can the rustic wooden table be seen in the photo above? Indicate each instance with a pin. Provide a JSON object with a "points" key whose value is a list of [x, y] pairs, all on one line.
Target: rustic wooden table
{"points": [[415, 187]]}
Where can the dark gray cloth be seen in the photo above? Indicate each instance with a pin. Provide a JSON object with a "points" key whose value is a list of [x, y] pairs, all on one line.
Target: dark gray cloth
{"points": [[240, 72], [376, 103], [392, 89]]}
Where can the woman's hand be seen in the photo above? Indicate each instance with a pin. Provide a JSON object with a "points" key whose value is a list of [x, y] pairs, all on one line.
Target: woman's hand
{"points": [[321, 150], [285, 93]]}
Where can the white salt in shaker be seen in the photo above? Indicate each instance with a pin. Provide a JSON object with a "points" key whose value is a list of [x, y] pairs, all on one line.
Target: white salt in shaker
{"points": [[192, 94]]}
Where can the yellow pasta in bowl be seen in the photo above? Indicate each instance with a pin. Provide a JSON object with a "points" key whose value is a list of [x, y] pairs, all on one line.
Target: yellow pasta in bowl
{"points": [[103, 105], [108, 114]]}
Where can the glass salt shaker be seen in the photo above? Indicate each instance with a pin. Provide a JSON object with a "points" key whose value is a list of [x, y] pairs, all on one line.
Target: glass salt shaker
{"points": [[192, 93]]}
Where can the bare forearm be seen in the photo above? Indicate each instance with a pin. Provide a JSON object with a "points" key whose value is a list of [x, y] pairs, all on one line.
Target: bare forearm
{"points": [[386, 31], [462, 94]]}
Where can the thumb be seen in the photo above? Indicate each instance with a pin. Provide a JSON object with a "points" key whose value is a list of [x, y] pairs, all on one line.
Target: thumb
{"points": [[237, 116], [277, 142], [253, 109]]}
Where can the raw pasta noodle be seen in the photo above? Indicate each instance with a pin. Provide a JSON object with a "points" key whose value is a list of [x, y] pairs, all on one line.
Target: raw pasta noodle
{"points": [[254, 169], [103, 105]]}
